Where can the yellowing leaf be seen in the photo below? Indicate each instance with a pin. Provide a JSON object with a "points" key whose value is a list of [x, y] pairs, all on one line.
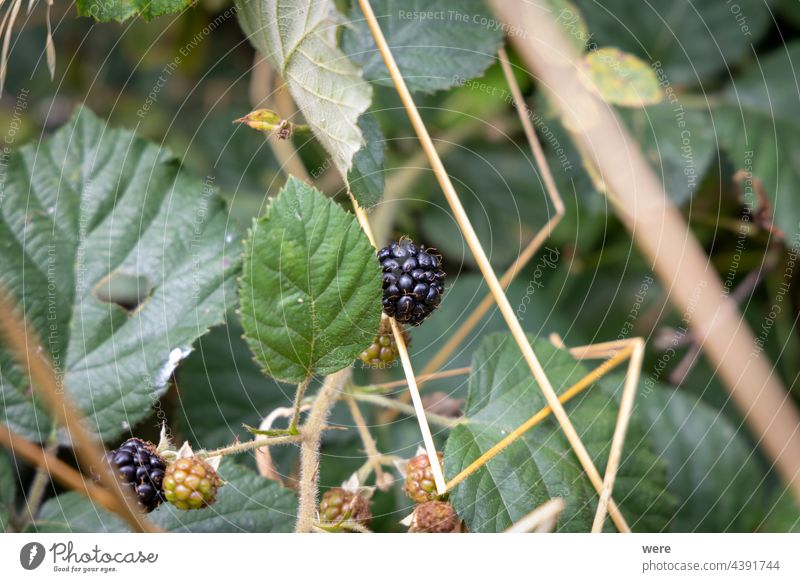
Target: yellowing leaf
{"points": [[620, 78]]}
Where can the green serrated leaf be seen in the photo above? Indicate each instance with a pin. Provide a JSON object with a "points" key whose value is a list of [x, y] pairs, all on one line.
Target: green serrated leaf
{"points": [[87, 213], [712, 468], [620, 78], [299, 39], [691, 40], [438, 44], [122, 10], [366, 178], [246, 503], [540, 465], [758, 125], [311, 288]]}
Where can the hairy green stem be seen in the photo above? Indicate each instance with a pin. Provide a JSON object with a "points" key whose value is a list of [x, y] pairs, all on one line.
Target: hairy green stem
{"points": [[309, 449], [256, 443], [298, 404]]}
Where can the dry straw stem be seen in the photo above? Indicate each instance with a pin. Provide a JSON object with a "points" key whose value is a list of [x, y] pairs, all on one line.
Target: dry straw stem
{"points": [[543, 519], [408, 370], [425, 378], [565, 397], [457, 338], [483, 263], [440, 359], [373, 455], [327, 396], [26, 348], [54, 467], [393, 404], [664, 238], [634, 349]]}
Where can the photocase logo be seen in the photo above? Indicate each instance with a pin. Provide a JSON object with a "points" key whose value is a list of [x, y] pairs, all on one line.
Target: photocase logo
{"points": [[31, 555]]}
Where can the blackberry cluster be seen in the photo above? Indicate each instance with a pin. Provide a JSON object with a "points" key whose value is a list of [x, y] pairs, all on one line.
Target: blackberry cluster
{"points": [[138, 465], [339, 505], [413, 281]]}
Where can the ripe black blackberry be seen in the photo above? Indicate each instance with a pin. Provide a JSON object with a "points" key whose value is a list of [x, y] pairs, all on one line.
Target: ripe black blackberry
{"points": [[137, 465], [413, 281]]}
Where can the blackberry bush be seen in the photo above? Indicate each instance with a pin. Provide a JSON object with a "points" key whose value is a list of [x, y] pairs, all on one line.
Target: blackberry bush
{"points": [[413, 281], [137, 464]]}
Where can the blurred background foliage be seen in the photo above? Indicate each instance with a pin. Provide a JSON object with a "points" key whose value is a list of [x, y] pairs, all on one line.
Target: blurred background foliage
{"points": [[197, 81]]}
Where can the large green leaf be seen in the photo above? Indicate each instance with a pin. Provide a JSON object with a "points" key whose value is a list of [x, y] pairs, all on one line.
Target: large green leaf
{"points": [[366, 178], [221, 388], [88, 213], [438, 44], [311, 288], [692, 39], [246, 503], [299, 39], [8, 489], [121, 10], [541, 465], [759, 126], [712, 468]]}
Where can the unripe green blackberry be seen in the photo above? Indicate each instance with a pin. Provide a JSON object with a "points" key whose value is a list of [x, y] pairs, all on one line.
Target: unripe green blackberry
{"points": [[413, 281], [419, 484], [434, 517], [340, 505], [191, 483], [383, 350]]}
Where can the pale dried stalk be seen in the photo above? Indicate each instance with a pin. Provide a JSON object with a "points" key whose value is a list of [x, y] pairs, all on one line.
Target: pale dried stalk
{"points": [[425, 378], [543, 519], [636, 347], [538, 240], [483, 263], [394, 404], [408, 370], [25, 346], [54, 467], [664, 237], [373, 455], [309, 448], [400, 181]]}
